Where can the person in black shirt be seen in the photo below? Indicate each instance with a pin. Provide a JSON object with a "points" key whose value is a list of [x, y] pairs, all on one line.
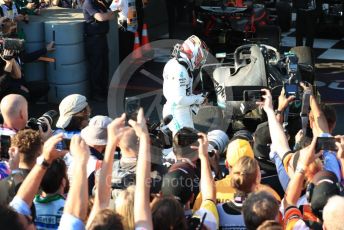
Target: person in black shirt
{"points": [[307, 12], [97, 16]]}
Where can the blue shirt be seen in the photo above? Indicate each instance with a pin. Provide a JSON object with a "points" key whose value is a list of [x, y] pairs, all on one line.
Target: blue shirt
{"points": [[282, 174]]}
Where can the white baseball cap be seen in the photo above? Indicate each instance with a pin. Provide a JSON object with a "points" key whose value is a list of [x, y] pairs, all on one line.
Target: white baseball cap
{"points": [[70, 106], [95, 133]]}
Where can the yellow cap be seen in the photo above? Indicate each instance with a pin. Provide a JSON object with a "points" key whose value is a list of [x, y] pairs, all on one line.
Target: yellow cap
{"points": [[237, 149]]}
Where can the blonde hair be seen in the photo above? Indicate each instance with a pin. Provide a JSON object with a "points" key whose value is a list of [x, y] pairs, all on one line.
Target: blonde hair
{"points": [[244, 174], [124, 206]]}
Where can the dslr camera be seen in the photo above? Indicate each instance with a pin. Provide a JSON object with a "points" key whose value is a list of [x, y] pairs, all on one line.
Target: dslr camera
{"points": [[12, 44], [34, 123]]}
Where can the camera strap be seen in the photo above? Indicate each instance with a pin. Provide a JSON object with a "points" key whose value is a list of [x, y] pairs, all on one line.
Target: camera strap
{"points": [[304, 110]]}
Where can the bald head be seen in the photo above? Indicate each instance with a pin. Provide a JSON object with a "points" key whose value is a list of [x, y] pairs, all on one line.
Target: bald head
{"points": [[129, 143], [14, 111], [333, 213]]}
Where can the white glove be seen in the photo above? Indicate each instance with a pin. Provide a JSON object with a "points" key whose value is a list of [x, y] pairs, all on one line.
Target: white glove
{"points": [[199, 99]]}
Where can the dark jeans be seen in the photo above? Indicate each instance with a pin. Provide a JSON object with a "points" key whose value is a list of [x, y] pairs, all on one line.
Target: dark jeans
{"points": [[126, 43], [305, 27], [97, 54]]}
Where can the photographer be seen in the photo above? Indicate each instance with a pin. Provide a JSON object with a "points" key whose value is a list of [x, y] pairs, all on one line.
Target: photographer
{"points": [[12, 59], [74, 116], [10, 79]]}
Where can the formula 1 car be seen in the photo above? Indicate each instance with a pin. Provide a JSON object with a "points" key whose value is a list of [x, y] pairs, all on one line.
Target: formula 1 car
{"points": [[253, 67], [227, 24]]}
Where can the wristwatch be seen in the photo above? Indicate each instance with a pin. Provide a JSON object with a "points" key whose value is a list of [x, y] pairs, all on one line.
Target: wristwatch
{"points": [[42, 162], [300, 169], [278, 112]]}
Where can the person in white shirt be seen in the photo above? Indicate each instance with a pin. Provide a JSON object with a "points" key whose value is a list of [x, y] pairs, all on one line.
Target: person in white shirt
{"points": [[50, 203], [178, 81]]}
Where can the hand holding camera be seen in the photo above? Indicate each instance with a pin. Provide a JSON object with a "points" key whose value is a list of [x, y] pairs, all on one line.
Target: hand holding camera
{"points": [[203, 145], [50, 153], [307, 87], [43, 123], [309, 154], [326, 143], [7, 56], [266, 102], [284, 99]]}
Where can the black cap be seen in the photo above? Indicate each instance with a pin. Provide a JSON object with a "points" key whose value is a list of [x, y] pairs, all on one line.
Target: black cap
{"points": [[261, 148], [243, 134], [178, 183], [325, 186]]}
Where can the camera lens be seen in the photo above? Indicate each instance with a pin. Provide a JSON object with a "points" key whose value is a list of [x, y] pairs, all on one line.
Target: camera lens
{"points": [[32, 123], [51, 116]]}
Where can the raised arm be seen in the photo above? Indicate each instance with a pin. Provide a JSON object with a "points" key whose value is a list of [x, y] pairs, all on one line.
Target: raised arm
{"points": [[307, 156], [142, 211], [103, 191], [278, 138], [319, 120], [207, 181], [340, 154], [30, 185], [283, 103], [77, 200]]}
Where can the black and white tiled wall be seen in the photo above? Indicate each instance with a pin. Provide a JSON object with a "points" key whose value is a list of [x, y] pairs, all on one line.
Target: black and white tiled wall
{"points": [[326, 49]]}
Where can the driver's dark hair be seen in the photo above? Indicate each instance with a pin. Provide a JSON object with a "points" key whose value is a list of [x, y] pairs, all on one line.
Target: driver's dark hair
{"points": [[9, 218], [184, 150], [259, 207]]}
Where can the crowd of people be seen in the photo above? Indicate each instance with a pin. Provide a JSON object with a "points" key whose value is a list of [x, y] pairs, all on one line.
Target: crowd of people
{"points": [[94, 172], [99, 173]]}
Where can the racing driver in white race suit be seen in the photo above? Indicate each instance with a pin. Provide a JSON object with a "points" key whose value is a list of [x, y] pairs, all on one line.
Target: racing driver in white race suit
{"points": [[178, 79]]}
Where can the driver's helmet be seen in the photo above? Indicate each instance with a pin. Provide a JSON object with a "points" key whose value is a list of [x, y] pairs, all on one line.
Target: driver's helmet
{"points": [[194, 52]]}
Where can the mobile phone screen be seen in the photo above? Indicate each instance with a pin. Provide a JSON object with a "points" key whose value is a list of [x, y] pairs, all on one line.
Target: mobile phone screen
{"points": [[326, 143], [291, 90], [132, 106], [253, 95], [5, 145]]}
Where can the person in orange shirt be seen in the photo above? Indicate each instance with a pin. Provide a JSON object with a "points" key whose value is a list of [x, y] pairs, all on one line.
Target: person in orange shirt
{"points": [[224, 191]]}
